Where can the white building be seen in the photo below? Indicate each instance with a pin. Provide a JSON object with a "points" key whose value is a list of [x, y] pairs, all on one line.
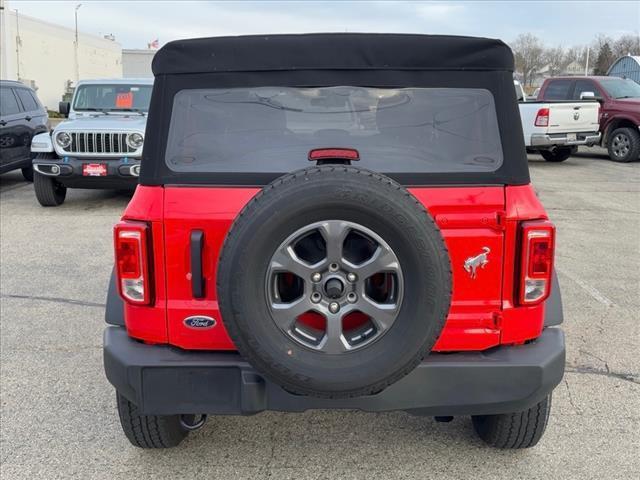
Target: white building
{"points": [[136, 63], [43, 55]]}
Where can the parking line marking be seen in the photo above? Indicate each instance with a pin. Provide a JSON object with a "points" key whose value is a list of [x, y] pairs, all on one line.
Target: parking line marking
{"points": [[592, 291]]}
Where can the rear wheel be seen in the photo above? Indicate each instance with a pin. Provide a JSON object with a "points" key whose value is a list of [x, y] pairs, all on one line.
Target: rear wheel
{"points": [[558, 155], [623, 145], [27, 173], [514, 430], [151, 431], [49, 192]]}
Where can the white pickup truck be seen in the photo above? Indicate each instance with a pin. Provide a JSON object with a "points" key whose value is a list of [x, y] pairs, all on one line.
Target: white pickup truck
{"points": [[556, 129]]}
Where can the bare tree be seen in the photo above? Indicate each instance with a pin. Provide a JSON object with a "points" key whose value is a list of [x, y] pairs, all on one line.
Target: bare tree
{"points": [[626, 45], [577, 53], [556, 60], [529, 56], [598, 42], [604, 60]]}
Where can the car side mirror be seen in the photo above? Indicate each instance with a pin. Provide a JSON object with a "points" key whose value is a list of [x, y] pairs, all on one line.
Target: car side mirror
{"points": [[587, 96], [63, 108]]}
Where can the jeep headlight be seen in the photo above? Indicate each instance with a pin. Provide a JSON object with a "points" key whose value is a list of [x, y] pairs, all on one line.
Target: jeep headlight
{"points": [[63, 139], [134, 140]]}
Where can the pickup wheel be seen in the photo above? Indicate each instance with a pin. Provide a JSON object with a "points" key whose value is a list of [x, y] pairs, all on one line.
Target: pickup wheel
{"points": [[150, 431], [49, 192], [623, 145], [334, 282], [558, 155], [514, 430]]}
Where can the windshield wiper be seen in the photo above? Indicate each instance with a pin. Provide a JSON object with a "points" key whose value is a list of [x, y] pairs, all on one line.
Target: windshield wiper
{"points": [[101, 110], [628, 96], [136, 110]]}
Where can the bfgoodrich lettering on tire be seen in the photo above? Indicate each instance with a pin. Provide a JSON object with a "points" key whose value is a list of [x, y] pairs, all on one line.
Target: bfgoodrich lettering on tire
{"points": [[334, 281]]}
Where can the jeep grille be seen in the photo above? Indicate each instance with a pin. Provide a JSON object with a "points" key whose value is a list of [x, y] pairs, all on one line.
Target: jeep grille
{"points": [[95, 142]]}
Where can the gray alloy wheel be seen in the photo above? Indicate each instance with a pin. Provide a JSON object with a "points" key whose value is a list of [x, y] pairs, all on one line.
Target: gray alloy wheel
{"points": [[344, 282], [623, 144], [620, 145]]}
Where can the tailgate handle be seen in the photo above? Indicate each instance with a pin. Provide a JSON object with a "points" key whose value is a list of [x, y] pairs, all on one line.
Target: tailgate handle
{"points": [[197, 279]]}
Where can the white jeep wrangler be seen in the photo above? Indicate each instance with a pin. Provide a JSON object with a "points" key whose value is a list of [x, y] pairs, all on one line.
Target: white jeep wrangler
{"points": [[99, 146]]}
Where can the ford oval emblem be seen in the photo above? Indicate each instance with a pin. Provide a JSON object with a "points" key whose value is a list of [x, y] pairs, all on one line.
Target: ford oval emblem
{"points": [[199, 322]]}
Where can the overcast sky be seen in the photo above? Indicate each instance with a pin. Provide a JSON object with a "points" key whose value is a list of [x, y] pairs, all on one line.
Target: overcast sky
{"points": [[136, 23]]}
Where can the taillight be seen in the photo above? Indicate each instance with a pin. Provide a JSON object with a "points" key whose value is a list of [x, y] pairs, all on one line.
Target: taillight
{"points": [[542, 118], [538, 244], [132, 261]]}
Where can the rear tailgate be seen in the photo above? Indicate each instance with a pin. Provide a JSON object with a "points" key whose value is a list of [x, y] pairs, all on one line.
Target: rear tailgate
{"points": [[469, 219], [573, 117]]}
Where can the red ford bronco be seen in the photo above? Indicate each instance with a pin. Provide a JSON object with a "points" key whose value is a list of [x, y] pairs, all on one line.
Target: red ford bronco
{"points": [[334, 221]]}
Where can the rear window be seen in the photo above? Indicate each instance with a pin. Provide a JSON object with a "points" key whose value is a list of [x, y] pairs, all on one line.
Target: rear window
{"points": [[272, 129], [557, 90], [28, 102]]}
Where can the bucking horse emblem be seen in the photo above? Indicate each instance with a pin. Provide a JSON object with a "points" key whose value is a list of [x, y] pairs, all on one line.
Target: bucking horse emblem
{"points": [[471, 264]]}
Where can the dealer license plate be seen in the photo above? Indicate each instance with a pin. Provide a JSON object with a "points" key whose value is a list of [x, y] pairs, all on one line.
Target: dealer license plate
{"points": [[571, 137], [94, 169]]}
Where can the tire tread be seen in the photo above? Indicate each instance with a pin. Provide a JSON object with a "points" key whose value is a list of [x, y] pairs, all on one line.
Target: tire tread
{"points": [[48, 192], [149, 431], [514, 430]]}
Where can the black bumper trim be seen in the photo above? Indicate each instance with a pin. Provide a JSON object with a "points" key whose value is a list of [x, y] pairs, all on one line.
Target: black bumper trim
{"points": [[114, 311], [165, 380], [70, 172]]}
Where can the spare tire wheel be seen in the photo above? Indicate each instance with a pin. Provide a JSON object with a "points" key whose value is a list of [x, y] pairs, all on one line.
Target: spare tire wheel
{"points": [[334, 282]]}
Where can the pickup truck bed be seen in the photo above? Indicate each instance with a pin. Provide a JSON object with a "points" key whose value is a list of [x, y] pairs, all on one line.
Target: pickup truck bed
{"points": [[552, 125]]}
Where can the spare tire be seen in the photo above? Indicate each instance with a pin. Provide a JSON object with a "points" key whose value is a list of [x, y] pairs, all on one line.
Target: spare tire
{"points": [[334, 282]]}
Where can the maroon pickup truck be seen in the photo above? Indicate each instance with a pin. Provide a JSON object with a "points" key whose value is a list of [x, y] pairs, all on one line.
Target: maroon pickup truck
{"points": [[619, 111]]}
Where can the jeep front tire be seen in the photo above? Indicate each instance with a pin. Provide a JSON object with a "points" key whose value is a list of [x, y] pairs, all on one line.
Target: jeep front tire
{"points": [[49, 192]]}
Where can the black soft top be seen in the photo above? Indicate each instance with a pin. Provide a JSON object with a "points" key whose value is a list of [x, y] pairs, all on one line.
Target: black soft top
{"points": [[334, 51], [334, 59]]}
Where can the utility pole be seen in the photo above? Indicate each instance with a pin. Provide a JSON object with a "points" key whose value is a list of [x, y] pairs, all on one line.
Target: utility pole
{"points": [[77, 58], [586, 65]]}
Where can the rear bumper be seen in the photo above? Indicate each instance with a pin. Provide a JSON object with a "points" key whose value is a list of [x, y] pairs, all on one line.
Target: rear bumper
{"points": [[550, 140], [165, 380], [121, 172]]}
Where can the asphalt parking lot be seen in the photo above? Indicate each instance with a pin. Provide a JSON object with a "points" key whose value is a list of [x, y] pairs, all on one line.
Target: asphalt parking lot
{"points": [[59, 419]]}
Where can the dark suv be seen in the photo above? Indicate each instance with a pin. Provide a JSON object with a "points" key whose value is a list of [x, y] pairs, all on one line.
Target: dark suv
{"points": [[21, 117], [619, 109], [334, 221]]}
